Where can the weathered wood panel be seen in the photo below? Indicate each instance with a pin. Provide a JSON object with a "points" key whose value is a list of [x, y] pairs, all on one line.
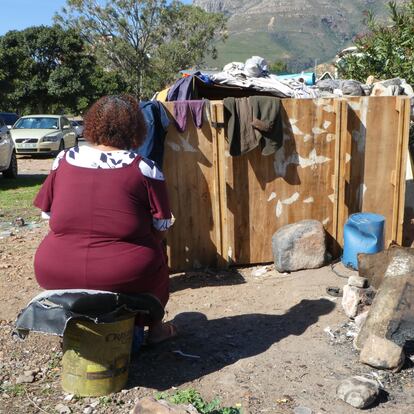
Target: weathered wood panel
{"points": [[263, 193], [191, 175], [339, 156], [374, 145]]}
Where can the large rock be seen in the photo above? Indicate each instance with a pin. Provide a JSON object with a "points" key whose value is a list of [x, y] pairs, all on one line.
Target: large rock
{"points": [[382, 353], [149, 405], [356, 299], [395, 261], [299, 246], [358, 391], [392, 312], [358, 281]]}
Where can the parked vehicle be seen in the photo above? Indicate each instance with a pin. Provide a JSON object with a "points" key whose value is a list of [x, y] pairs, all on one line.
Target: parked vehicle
{"points": [[8, 160], [43, 134], [78, 127], [9, 118]]}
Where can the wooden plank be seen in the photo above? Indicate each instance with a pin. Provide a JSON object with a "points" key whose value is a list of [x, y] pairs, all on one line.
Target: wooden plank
{"points": [[191, 178], [339, 177], [406, 111], [266, 192], [344, 172], [371, 150], [216, 184], [217, 118], [396, 176]]}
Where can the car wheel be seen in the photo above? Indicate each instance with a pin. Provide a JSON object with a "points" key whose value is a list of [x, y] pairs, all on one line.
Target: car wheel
{"points": [[12, 171]]}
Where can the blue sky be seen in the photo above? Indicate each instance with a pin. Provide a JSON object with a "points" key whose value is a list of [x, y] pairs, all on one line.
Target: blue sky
{"points": [[19, 14]]}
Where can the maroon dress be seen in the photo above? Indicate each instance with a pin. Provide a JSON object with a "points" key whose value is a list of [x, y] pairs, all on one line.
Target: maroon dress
{"points": [[101, 235]]}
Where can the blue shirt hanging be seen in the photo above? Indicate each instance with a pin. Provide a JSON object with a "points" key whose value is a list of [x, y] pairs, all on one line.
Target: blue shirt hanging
{"points": [[157, 124]]}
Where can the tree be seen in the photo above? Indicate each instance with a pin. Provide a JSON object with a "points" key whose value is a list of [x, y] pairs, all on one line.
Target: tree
{"points": [[386, 50], [47, 69], [278, 67], [146, 41]]}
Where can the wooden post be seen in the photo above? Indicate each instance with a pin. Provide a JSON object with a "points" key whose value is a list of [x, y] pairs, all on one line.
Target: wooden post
{"points": [[405, 113], [341, 108]]}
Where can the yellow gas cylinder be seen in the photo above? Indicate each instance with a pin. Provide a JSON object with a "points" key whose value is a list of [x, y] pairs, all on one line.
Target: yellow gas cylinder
{"points": [[96, 356]]}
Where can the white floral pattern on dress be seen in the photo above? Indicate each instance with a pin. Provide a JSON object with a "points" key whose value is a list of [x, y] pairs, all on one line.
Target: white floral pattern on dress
{"points": [[89, 157]]}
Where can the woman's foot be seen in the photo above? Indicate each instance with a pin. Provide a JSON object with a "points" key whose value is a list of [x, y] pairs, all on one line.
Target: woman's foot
{"points": [[161, 332]]}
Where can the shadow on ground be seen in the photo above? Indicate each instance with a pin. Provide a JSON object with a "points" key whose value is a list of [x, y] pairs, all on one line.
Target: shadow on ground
{"points": [[219, 343], [196, 280], [22, 180]]}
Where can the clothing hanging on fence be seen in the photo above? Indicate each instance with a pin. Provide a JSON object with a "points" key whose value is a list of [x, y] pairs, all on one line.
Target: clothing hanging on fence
{"points": [[252, 122], [181, 110], [267, 122], [182, 90], [157, 124]]}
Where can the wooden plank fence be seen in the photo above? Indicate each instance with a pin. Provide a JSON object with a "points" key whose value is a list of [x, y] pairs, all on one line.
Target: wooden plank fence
{"points": [[339, 156]]}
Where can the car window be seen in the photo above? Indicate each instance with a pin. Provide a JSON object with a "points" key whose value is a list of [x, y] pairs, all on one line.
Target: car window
{"points": [[37, 123], [65, 122]]}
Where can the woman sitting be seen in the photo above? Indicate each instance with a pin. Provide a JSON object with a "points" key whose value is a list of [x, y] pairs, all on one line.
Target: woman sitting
{"points": [[107, 208]]}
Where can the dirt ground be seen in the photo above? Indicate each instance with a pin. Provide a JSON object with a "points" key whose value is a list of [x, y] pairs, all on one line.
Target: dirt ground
{"points": [[270, 342]]}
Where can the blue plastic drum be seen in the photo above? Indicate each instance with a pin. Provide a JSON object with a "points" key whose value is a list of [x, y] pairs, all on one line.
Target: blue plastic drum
{"points": [[363, 233]]}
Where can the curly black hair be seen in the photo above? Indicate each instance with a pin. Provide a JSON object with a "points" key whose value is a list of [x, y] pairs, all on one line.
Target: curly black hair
{"points": [[115, 121]]}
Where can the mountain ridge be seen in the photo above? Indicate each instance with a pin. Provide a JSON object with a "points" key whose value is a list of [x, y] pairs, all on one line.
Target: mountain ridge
{"points": [[298, 32]]}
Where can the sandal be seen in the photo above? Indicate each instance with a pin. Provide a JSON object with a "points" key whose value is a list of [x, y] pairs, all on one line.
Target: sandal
{"points": [[169, 331]]}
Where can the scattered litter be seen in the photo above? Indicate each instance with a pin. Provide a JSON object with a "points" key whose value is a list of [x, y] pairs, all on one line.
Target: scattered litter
{"points": [[376, 376], [19, 222], [262, 270], [286, 399], [328, 330], [334, 291], [186, 355], [351, 334], [330, 298]]}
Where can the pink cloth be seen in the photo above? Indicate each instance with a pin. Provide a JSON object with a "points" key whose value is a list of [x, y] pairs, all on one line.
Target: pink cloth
{"points": [[181, 109]]}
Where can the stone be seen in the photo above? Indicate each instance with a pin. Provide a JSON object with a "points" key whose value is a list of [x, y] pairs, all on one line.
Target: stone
{"points": [[301, 245], [63, 409], [149, 405], [355, 300], [358, 281], [360, 392], [395, 260], [25, 379], [88, 410], [391, 315], [19, 222], [382, 353], [302, 410], [360, 320]]}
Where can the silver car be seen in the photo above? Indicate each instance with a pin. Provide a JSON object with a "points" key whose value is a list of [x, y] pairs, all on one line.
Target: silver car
{"points": [[78, 127], [8, 160], [43, 134]]}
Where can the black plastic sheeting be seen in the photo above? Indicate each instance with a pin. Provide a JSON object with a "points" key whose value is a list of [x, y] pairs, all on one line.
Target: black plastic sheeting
{"points": [[50, 311]]}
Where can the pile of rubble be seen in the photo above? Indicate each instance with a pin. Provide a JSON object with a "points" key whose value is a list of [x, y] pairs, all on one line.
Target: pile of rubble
{"points": [[380, 302]]}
